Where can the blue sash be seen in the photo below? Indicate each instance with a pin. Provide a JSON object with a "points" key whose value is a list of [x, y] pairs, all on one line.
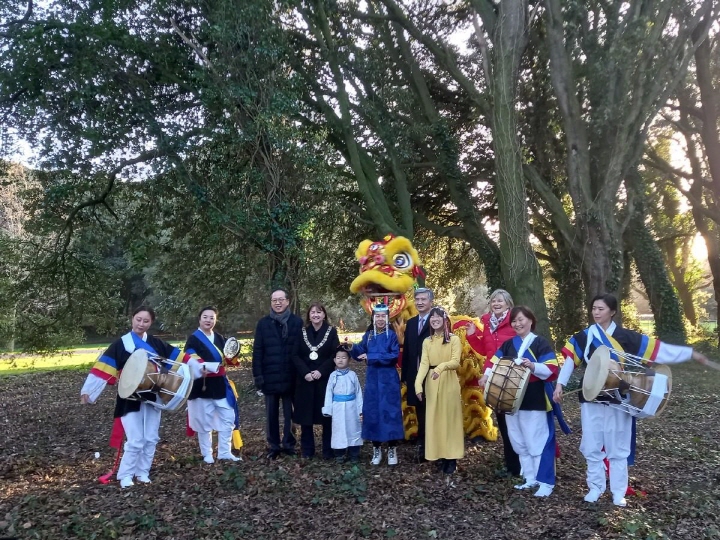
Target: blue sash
{"points": [[217, 356], [343, 397], [138, 342], [209, 345], [600, 337]]}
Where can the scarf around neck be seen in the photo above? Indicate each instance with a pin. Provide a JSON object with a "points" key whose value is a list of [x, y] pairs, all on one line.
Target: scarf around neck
{"points": [[282, 318], [495, 321]]}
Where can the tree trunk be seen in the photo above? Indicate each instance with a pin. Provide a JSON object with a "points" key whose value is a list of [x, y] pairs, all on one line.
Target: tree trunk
{"points": [[569, 313], [651, 266], [520, 266], [678, 279]]}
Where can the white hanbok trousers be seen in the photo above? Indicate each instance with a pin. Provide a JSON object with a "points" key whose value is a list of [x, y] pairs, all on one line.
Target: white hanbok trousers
{"points": [[611, 428], [142, 431], [528, 433]]}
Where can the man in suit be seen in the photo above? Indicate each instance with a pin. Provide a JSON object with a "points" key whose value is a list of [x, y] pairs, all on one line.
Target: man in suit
{"points": [[416, 330]]}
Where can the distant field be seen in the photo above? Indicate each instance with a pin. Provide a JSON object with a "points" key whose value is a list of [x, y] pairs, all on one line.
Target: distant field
{"points": [[648, 326], [85, 355]]}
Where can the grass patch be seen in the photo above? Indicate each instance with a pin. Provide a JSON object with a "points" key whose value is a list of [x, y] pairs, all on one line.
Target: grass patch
{"points": [[72, 359]]}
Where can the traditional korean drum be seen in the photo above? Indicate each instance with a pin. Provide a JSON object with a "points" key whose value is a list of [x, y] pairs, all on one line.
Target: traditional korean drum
{"points": [[630, 385], [506, 386], [145, 376]]}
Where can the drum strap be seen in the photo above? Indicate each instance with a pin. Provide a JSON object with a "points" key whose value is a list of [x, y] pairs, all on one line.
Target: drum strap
{"points": [[526, 344], [596, 331], [160, 380]]}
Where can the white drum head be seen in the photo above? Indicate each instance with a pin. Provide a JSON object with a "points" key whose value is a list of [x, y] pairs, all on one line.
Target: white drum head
{"points": [[596, 373], [133, 373]]}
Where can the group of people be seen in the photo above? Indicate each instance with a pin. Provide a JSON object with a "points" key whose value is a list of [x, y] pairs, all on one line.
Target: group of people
{"points": [[304, 368], [212, 403]]}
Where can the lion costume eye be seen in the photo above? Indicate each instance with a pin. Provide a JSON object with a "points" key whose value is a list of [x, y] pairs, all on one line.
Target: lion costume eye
{"points": [[402, 261]]}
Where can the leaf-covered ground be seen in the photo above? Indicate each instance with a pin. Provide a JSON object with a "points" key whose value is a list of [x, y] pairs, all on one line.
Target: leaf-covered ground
{"points": [[49, 489]]}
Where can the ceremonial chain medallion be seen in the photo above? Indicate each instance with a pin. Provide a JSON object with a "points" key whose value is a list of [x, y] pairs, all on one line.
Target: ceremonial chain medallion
{"points": [[314, 349]]}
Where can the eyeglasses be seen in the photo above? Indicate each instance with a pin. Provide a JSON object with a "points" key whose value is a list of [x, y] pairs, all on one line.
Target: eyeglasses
{"points": [[278, 300]]}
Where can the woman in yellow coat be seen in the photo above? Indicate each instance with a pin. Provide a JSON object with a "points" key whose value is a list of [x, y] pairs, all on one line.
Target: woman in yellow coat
{"points": [[444, 438]]}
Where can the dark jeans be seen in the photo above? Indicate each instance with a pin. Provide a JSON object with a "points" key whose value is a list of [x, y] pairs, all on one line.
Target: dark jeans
{"points": [[512, 460], [307, 439], [272, 422]]}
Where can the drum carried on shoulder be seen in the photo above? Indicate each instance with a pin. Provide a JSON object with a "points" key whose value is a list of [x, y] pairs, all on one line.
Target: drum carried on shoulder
{"points": [[629, 385], [146, 377], [506, 386]]}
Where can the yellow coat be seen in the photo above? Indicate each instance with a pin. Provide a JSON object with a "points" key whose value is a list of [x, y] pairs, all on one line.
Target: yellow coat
{"points": [[444, 437]]}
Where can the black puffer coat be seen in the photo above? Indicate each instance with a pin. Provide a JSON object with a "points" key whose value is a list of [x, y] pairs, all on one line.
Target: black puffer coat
{"points": [[273, 370]]}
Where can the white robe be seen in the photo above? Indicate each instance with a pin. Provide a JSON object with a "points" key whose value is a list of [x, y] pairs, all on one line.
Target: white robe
{"points": [[346, 428]]}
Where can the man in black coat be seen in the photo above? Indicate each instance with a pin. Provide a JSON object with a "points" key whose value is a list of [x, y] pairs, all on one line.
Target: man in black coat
{"points": [[416, 330], [276, 337]]}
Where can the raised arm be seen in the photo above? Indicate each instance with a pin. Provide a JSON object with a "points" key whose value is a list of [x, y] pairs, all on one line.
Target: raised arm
{"points": [[387, 355]]}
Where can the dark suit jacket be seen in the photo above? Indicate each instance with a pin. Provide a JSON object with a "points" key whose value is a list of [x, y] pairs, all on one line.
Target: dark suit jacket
{"points": [[412, 349]]}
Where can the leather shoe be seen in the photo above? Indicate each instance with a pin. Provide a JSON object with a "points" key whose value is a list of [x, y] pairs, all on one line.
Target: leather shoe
{"points": [[273, 454]]}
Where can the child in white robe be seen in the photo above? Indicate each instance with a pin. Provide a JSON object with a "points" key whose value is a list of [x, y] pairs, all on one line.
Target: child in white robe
{"points": [[344, 402]]}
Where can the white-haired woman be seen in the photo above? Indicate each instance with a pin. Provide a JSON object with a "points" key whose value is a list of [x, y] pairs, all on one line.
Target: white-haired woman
{"points": [[496, 331]]}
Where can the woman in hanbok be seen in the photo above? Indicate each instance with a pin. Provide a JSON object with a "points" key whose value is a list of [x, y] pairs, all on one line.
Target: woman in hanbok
{"points": [[532, 429], [608, 432], [212, 404], [138, 420]]}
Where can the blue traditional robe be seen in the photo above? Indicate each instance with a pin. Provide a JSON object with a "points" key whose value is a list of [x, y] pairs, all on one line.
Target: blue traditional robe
{"points": [[382, 409]]}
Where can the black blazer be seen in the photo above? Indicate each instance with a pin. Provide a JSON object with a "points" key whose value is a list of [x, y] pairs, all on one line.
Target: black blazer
{"points": [[412, 350]]}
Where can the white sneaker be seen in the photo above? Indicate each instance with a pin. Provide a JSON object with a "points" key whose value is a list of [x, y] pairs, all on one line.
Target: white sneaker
{"points": [[377, 455], [144, 479], [592, 496], [392, 456], [230, 457], [527, 485], [126, 482], [620, 501], [209, 460], [544, 491]]}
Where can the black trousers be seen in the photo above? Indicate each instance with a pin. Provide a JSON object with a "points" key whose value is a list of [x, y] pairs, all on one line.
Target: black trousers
{"points": [[420, 413], [307, 439], [512, 460], [272, 422]]}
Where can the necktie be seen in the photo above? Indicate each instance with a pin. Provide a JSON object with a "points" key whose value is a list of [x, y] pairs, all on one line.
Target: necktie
{"points": [[420, 325]]}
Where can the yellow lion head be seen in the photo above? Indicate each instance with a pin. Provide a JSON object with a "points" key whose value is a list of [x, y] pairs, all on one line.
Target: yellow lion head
{"points": [[388, 271]]}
